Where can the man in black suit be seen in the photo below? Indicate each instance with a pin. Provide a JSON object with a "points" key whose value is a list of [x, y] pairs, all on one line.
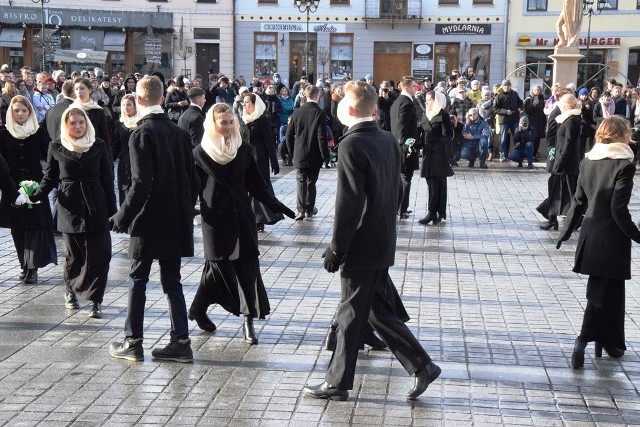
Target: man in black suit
{"points": [[404, 127], [192, 120], [53, 115], [307, 144], [158, 214], [364, 243]]}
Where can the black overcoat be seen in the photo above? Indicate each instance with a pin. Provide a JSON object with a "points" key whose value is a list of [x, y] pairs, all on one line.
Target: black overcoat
{"points": [[568, 147], [23, 157], [535, 113], [192, 120], [307, 136], [404, 125], [99, 122], [369, 191], [602, 195], [158, 209], [264, 149], [228, 223], [437, 135], [120, 149], [86, 198]]}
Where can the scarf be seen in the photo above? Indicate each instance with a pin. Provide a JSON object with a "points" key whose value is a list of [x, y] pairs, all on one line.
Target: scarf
{"points": [[86, 106], [257, 112], [565, 115], [130, 122], [221, 150], [154, 109], [613, 150], [439, 102], [81, 145], [25, 130], [607, 109]]}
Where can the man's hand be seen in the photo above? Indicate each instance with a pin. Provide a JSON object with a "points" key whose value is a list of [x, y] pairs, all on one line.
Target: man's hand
{"points": [[275, 168], [115, 227], [332, 260]]}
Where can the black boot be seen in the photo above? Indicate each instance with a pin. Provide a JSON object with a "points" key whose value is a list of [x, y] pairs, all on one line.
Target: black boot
{"points": [[23, 274], [614, 352], [430, 217], [202, 320], [32, 276], [577, 358], [249, 332], [552, 223]]}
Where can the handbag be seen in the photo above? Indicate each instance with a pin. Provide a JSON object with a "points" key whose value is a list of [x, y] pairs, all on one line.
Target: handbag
{"points": [[174, 114]]}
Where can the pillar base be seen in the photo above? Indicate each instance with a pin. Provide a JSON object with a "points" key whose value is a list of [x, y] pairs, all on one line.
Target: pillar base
{"points": [[565, 64]]}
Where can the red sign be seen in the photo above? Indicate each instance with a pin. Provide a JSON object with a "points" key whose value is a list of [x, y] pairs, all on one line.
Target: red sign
{"points": [[595, 41]]}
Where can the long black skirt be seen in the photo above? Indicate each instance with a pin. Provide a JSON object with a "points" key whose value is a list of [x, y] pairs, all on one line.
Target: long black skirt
{"points": [[86, 266], [236, 286], [603, 319], [36, 247], [561, 189]]}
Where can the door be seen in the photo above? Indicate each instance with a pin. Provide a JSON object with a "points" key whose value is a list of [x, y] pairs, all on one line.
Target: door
{"points": [[297, 67], [207, 59], [633, 70], [391, 61]]}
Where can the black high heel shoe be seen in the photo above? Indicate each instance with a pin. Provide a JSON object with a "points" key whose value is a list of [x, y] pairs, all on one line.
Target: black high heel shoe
{"points": [[577, 358], [427, 219], [614, 352], [552, 223]]}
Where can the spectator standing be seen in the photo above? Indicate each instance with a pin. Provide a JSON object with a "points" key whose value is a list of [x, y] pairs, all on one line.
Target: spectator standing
{"points": [[42, 100], [124, 127], [534, 111], [508, 107], [177, 101], [588, 123]]}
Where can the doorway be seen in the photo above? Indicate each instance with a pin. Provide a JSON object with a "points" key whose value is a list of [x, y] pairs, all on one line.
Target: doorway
{"points": [[207, 59], [297, 66], [633, 70], [391, 61]]}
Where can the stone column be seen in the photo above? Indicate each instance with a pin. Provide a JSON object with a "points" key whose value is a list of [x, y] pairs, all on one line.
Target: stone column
{"points": [[565, 64]]}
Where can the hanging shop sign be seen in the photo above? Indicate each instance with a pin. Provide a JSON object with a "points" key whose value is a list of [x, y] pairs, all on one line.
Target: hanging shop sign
{"points": [[463, 29], [422, 52]]}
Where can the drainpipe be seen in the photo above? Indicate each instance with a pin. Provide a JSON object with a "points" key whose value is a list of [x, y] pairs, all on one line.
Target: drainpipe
{"points": [[233, 35], [506, 38]]}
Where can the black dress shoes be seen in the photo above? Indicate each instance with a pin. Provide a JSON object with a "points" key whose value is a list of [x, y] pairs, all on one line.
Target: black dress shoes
{"points": [[424, 377], [325, 391], [551, 223], [372, 340], [203, 321], [427, 219], [32, 276], [614, 352], [95, 310]]}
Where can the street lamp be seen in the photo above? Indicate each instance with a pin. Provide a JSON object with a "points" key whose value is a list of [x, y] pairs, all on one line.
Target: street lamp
{"points": [[42, 2], [587, 10], [305, 6]]}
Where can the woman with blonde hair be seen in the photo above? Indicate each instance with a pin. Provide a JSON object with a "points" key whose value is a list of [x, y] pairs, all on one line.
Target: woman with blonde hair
{"points": [[603, 250], [83, 90], [23, 144], [229, 175], [124, 127]]}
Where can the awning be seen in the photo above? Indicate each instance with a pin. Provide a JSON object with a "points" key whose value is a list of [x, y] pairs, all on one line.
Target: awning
{"points": [[81, 56], [114, 41], [11, 37]]}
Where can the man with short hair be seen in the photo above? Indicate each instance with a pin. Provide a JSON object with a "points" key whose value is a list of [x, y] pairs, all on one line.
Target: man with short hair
{"points": [[307, 144], [158, 214], [508, 107], [461, 104], [476, 133], [192, 120], [364, 245], [225, 92]]}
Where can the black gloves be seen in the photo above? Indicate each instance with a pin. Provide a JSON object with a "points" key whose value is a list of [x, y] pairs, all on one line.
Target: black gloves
{"points": [[332, 260], [562, 239], [115, 227], [275, 168], [280, 207]]}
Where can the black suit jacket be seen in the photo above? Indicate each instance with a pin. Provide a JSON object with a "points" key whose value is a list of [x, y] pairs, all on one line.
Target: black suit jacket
{"points": [[192, 121], [368, 194], [602, 195], [54, 115], [307, 136], [404, 125]]}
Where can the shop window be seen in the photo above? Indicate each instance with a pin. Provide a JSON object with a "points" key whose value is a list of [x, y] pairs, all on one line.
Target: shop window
{"points": [[480, 55], [611, 4], [448, 2], [152, 52], [265, 50], [537, 5], [341, 56], [446, 58], [206, 33]]}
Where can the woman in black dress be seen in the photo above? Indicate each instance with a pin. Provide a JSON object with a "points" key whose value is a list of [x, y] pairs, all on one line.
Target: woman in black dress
{"points": [[228, 175], [23, 144], [603, 250], [264, 153], [83, 89], [81, 164], [124, 127], [436, 125]]}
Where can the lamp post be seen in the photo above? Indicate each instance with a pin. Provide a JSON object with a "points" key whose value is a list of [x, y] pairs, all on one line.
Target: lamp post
{"points": [[587, 10], [44, 57], [306, 6]]}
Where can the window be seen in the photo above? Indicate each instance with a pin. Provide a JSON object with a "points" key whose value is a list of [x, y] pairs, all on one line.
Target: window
{"points": [[444, 2], [446, 58], [610, 4], [536, 5], [265, 49], [345, 2], [267, 1], [341, 56], [482, 1], [206, 33], [480, 55], [206, 1]]}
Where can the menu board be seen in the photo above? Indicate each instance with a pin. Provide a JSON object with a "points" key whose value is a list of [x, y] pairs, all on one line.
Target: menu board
{"points": [[53, 44], [153, 50]]}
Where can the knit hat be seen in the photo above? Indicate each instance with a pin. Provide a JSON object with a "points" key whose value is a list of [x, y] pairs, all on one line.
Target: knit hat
{"points": [[583, 91], [506, 82]]}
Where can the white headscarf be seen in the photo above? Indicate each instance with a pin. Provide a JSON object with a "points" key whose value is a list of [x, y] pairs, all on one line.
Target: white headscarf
{"points": [[220, 150], [28, 128], [86, 106], [613, 150], [130, 122], [439, 102], [81, 145], [257, 112]]}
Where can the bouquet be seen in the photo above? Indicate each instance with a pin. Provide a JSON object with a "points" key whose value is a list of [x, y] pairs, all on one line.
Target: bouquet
{"points": [[408, 146], [28, 188]]}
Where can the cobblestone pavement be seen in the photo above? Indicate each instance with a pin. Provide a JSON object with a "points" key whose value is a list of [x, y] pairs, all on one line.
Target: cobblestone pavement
{"points": [[491, 299]]}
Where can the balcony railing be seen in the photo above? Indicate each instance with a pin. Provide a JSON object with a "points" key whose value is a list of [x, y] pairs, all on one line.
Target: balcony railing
{"points": [[393, 10]]}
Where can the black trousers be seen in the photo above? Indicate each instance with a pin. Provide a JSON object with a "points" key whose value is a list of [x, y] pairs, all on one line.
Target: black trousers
{"points": [[86, 265], [437, 195], [364, 299], [603, 319], [306, 188], [406, 189]]}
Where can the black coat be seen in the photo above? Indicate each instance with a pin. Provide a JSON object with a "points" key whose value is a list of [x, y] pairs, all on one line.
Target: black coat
{"points": [[23, 157], [603, 194], [53, 118], [158, 210], [264, 149], [121, 152], [384, 112], [535, 113], [192, 121], [99, 122], [508, 101], [228, 223], [404, 125], [171, 103], [437, 135], [588, 123], [568, 147], [369, 191], [86, 198], [307, 136]]}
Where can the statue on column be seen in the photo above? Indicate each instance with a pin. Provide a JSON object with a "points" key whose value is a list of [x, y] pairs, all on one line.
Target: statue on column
{"points": [[569, 23]]}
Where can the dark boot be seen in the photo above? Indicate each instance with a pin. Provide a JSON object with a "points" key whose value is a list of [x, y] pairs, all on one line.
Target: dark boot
{"points": [[430, 217], [249, 332], [202, 320], [32, 276], [22, 274], [552, 223], [577, 358]]}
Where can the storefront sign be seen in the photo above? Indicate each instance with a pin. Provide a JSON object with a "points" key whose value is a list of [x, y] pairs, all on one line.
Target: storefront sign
{"points": [[423, 74], [94, 18], [301, 28], [422, 52], [463, 29], [153, 50], [532, 41]]}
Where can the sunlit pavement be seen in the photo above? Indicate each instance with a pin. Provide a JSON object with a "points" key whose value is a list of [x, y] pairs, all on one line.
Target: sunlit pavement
{"points": [[491, 299]]}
